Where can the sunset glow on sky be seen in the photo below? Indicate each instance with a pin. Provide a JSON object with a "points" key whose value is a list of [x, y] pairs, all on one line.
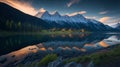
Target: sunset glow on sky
{"points": [[106, 11]]}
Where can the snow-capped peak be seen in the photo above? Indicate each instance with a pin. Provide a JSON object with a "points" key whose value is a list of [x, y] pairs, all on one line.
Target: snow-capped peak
{"points": [[78, 18], [116, 25], [74, 19], [46, 15], [94, 21], [56, 14], [41, 12], [78, 15]]}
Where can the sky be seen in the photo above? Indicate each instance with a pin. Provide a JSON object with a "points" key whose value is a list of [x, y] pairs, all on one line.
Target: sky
{"points": [[106, 11]]}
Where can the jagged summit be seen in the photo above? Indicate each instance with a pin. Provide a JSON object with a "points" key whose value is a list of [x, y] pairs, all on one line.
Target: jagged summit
{"points": [[40, 14], [58, 17], [77, 20], [116, 26], [56, 13], [46, 13]]}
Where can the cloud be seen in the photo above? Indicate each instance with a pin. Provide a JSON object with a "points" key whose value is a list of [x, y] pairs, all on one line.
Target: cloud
{"points": [[92, 17], [103, 12], [82, 12], [25, 7], [105, 19], [72, 2], [75, 13]]}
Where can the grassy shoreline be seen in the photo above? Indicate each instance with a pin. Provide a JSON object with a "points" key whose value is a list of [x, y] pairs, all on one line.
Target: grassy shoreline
{"points": [[5, 33], [100, 58]]}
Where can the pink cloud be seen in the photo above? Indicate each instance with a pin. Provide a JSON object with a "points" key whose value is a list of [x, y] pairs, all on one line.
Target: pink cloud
{"points": [[105, 19], [75, 13], [103, 12], [22, 6], [72, 2]]}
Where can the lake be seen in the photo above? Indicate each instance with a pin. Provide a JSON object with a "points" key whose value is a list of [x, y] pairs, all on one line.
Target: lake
{"points": [[84, 42]]}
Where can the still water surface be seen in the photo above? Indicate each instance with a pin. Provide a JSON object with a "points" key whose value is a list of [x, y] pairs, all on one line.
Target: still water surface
{"points": [[83, 42]]}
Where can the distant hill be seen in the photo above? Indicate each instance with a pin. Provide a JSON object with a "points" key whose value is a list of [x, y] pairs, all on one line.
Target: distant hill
{"points": [[12, 19], [116, 26]]}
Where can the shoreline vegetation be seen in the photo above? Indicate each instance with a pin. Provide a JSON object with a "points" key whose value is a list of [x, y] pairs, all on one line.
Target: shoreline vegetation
{"points": [[45, 32], [49, 32], [100, 59]]}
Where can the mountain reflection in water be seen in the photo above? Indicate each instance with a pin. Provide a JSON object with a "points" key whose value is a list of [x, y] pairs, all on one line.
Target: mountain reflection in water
{"points": [[16, 42]]}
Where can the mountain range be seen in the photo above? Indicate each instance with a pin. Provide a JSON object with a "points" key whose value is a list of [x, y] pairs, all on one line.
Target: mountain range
{"points": [[57, 17], [12, 19], [77, 21]]}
